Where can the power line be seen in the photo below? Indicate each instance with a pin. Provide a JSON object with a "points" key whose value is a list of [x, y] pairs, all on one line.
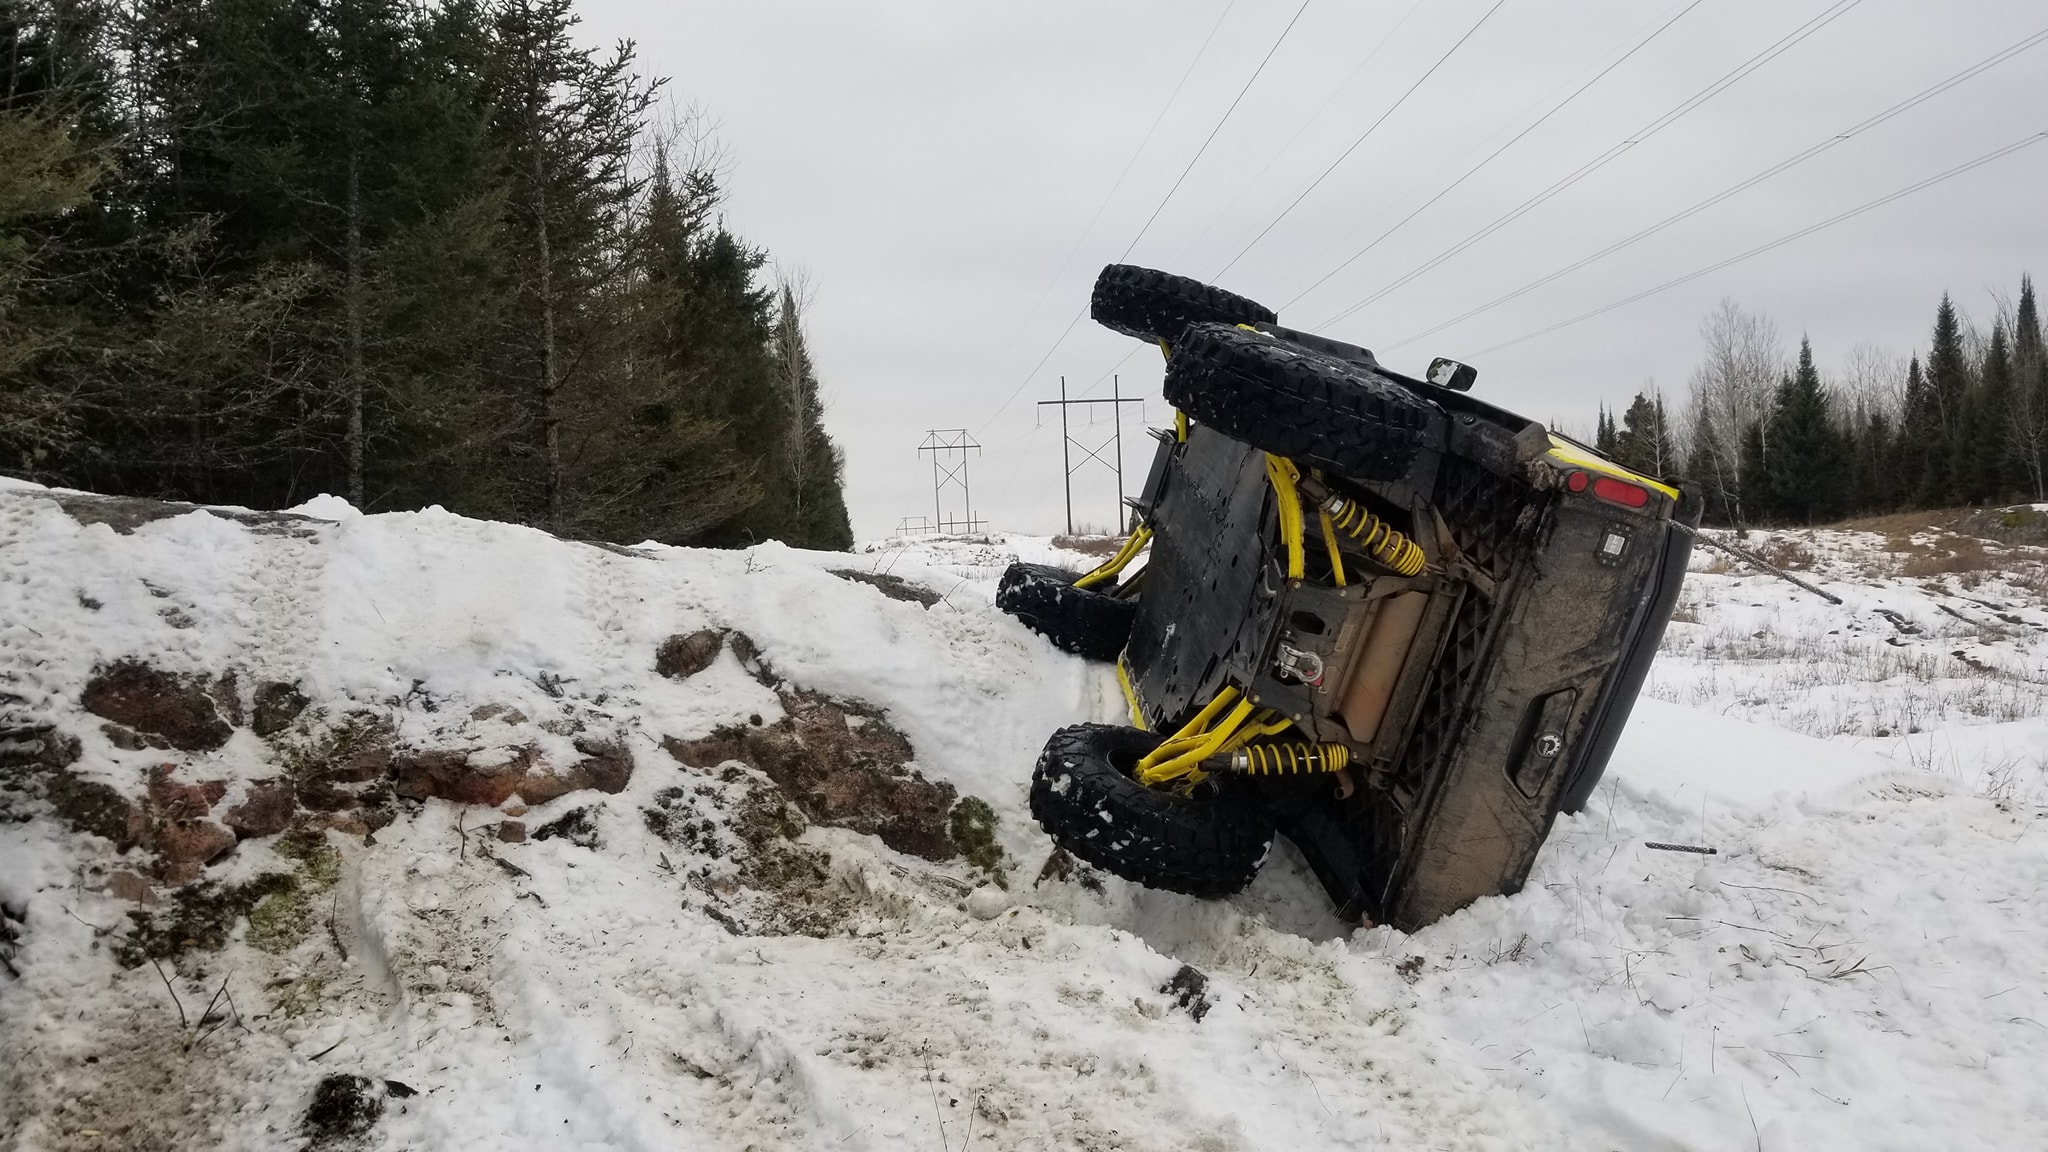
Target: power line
{"points": [[1374, 126], [1213, 131], [1902, 106], [1096, 218], [1068, 330], [1931, 181], [1828, 16], [1312, 118], [1555, 109]]}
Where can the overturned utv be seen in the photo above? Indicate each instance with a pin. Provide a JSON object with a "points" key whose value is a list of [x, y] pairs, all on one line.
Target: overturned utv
{"points": [[1396, 624]]}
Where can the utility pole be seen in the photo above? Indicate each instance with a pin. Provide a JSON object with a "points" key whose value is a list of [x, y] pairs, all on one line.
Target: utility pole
{"points": [[949, 448], [1116, 400]]}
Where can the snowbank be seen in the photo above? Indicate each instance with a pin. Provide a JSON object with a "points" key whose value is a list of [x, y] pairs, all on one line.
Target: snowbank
{"points": [[1858, 966]]}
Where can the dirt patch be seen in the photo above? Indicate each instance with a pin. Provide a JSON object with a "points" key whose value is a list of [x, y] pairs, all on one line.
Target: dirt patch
{"points": [[129, 1078], [736, 838], [1189, 988], [344, 1108], [843, 765], [180, 711], [894, 587], [197, 916], [577, 826]]}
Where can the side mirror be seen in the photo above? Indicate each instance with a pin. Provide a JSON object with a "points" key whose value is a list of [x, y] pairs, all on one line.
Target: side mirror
{"points": [[1451, 374]]}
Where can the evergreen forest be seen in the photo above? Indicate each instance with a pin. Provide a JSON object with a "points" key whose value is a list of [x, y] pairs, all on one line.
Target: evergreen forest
{"points": [[410, 252], [1775, 440]]}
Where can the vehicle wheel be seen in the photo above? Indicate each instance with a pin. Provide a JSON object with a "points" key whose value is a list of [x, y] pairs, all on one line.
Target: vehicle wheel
{"points": [[1089, 623], [1159, 305], [1083, 795], [1281, 398]]}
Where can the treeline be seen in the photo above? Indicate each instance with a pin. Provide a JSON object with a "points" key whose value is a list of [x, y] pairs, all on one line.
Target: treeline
{"points": [[407, 251], [1777, 442]]}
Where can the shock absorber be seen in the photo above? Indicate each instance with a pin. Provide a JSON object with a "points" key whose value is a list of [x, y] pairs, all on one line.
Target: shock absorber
{"points": [[1295, 759], [1375, 535]]}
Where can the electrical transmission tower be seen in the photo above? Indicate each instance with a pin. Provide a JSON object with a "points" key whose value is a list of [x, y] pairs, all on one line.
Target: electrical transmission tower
{"points": [[949, 448], [1115, 463]]}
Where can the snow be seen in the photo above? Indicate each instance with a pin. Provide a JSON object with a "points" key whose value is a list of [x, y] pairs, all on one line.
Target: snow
{"points": [[1860, 965]]}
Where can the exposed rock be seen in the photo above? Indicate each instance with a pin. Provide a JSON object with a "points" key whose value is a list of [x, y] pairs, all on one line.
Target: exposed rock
{"points": [[35, 763], [277, 705], [512, 831], [607, 765], [846, 775], [492, 778], [266, 809], [749, 655], [185, 847], [894, 587], [227, 697], [179, 709], [449, 774], [125, 738], [681, 657], [172, 799], [502, 713], [126, 885]]}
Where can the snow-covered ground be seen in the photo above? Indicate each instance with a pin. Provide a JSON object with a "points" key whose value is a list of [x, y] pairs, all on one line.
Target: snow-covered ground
{"points": [[1860, 966]]}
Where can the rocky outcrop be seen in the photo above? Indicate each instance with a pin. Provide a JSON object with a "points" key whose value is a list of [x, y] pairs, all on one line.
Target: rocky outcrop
{"points": [[843, 766]]}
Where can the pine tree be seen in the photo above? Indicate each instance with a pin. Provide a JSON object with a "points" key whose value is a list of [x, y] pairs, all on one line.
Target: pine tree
{"points": [[1805, 472], [1644, 442], [1753, 500], [2029, 422], [1604, 438], [1922, 450], [1994, 468], [1940, 422], [566, 121], [818, 503]]}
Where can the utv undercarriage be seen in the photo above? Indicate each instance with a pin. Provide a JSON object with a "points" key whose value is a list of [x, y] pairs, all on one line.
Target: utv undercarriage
{"points": [[1398, 625]]}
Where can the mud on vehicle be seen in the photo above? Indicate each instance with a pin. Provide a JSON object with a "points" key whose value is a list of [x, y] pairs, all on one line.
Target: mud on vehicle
{"points": [[1394, 623]]}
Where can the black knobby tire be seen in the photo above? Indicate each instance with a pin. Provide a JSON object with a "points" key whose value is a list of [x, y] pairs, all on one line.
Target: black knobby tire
{"points": [[1285, 399], [1091, 624], [1159, 305], [1084, 797]]}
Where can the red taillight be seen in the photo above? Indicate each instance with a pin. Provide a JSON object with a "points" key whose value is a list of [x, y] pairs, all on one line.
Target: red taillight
{"points": [[1620, 492], [1577, 481]]}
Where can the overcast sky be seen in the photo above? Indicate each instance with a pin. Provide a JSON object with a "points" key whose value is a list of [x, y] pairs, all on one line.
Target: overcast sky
{"points": [[937, 168]]}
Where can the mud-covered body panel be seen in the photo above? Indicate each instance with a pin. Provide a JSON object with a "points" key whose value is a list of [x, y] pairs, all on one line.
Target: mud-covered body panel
{"points": [[1529, 652]]}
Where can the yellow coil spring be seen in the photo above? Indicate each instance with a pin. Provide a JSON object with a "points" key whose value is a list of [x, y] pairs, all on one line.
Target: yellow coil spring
{"points": [[1293, 759], [1378, 537]]}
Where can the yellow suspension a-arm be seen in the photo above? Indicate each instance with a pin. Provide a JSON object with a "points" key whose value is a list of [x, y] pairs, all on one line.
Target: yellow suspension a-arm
{"points": [[1285, 476], [1200, 748], [1330, 545], [1132, 545]]}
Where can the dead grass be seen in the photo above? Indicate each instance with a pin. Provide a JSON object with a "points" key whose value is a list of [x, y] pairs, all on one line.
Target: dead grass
{"points": [[1945, 555], [1089, 545], [1787, 553]]}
